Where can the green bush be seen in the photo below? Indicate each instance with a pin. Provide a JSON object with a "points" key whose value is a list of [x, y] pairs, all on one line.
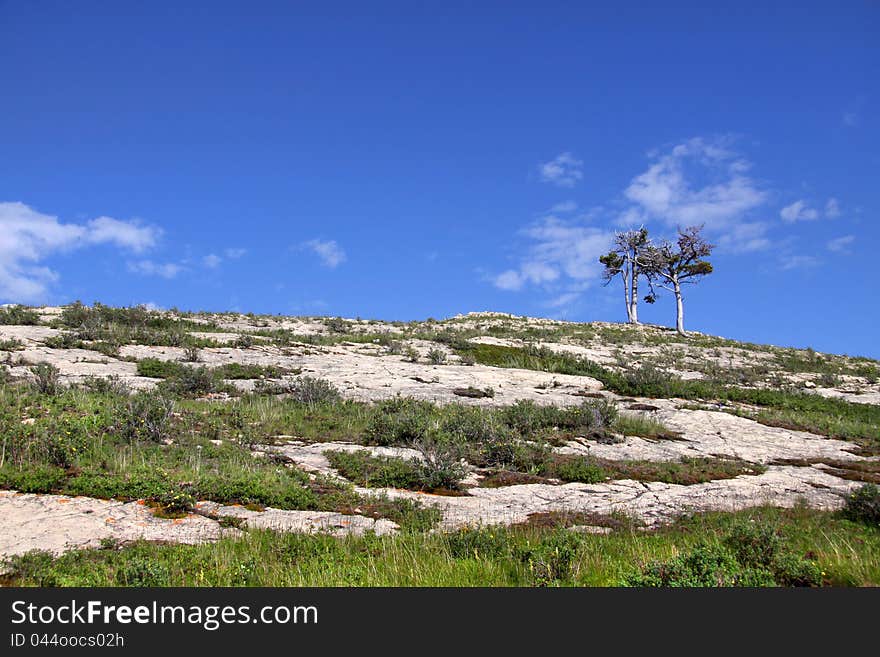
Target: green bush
{"points": [[35, 479], [483, 543], [398, 421], [18, 316], [142, 572], [553, 559], [863, 505], [144, 417], [313, 391], [436, 356], [751, 554], [46, 378], [576, 469]]}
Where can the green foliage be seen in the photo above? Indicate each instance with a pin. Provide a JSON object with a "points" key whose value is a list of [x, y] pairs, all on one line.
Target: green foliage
{"points": [[18, 316], [145, 416], [313, 391], [436, 356], [142, 572], [863, 505], [575, 469], [34, 479], [398, 421], [13, 344], [46, 378], [553, 559], [750, 555]]}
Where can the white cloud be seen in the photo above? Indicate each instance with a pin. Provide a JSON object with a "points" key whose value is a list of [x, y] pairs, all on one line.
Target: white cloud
{"points": [[697, 182], [560, 255], [234, 254], [832, 208], [212, 261], [330, 253], [746, 238], [151, 268], [563, 170], [106, 230], [797, 262], [841, 244], [798, 211], [27, 237], [565, 206], [510, 280]]}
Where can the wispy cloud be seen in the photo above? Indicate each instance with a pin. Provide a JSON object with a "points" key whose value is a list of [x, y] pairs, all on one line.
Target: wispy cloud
{"points": [[27, 237], [331, 254], [798, 211], [564, 170], [561, 258], [212, 261], [832, 208], [788, 262], [801, 210], [697, 182], [746, 237], [151, 268], [564, 207], [841, 244], [234, 253]]}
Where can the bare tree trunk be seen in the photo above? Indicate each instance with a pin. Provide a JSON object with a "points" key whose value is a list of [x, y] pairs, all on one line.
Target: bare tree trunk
{"points": [[679, 307], [634, 297], [626, 296]]}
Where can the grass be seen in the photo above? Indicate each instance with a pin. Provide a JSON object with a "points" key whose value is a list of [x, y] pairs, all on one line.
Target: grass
{"points": [[592, 470], [844, 553], [835, 418], [114, 446]]}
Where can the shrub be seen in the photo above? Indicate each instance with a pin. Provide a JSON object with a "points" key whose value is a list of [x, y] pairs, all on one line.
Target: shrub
{"points": [[191, 354], [191, 382], [575, 469], [553, 559], [13, 344], [45, 378], [863, 505], [398, 421], [704, 566], [174, 503], [112, 385], [313, 391], [337, 325], [145, 417], [244, 341], [376, 471], [436, 356], [484, 543], [751, 554], [35, 479], [754, 544], [467, 358], [142, 572], [411, 354], [281, 490], [18, 316], [441, 466]]}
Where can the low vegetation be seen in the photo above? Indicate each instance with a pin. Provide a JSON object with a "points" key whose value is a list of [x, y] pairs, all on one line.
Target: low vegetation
{"points": [[762, 546]]}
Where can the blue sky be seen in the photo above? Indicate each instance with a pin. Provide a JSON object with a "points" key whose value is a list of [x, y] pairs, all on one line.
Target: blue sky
{"points": [[406, 160]]}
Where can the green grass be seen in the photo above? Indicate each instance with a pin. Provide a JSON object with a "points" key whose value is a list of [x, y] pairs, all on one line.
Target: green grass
{"points": [[835, 418], [845, 554]]}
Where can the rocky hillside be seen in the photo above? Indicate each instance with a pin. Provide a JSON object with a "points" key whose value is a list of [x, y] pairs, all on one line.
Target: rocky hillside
{"points": [[130, 423]]}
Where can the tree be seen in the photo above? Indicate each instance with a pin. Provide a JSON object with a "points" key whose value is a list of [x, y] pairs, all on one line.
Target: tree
{"points": [[678, 263], [625, 259]]}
